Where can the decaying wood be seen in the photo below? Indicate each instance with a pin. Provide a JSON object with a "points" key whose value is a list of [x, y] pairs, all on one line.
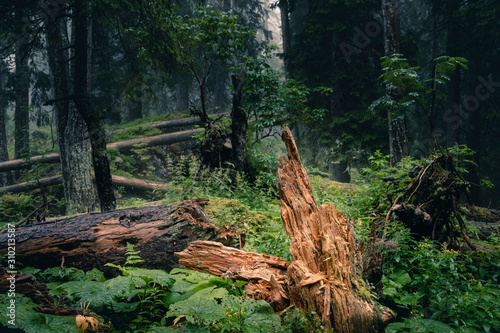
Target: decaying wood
{"points": [[25, 164], [157, 140], [325, 270], [166, 124], [31, 185], [265, 274], [133, 183], [431, 199], [92, 240], [327, 264]]}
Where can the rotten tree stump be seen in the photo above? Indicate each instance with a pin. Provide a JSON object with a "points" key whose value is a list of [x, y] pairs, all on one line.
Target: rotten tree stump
{"points": [[327, 263], [92, 240]]}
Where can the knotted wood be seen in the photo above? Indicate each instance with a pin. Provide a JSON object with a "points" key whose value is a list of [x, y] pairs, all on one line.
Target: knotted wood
{"points": [[325, 271]]}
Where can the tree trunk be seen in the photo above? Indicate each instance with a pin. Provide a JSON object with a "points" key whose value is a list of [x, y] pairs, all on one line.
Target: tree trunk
{"points": [[398, 144], [453, 41], [325, 270], [285, 35], [5, 178], [182, 87], [239, 124], [93, 118], [92, 240], [327, 265], [73, 142], [473, 137], [21, 90]]}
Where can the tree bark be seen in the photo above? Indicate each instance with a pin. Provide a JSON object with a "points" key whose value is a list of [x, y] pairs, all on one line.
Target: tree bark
{"points": [[92, 240], [182, 87], [398, 144], [454, 39], [93, 118], [157, 140], [327, 265], [259, 270], [5, 178], [239, 124], [73, 142], [21, 90], [133, 183], [285, 35]]}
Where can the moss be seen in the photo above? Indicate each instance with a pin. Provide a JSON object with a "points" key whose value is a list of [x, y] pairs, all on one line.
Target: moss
{"points": [[363, 292], [234, 213]]}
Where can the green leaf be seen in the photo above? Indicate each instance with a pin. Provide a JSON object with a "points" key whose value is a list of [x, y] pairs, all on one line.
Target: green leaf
{"points": [[99, 293]]}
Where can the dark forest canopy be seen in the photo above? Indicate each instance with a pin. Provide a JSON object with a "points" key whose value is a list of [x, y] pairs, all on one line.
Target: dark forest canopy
{"points": [[150, 58]]}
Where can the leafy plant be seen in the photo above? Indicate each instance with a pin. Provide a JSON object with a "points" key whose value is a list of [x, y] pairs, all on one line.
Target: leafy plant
{"points": [[431, 284], [31, 321], [212, 309], [271, 101]]}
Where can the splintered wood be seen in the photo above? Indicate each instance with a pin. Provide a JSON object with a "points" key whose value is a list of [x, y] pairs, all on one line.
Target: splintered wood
{"points": [[326, 263], [324, 273]]}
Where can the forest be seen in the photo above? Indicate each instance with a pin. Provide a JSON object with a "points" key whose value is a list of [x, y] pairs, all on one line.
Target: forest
{"points": [[249, 166]]}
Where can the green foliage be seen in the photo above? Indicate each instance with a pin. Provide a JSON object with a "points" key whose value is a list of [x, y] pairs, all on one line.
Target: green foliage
{"points": [[14, 206], [436, 286], [30, 321], [419, 325], [212, 309], [98, 293], [218, 35], [271, 101], [398, 74], [298, 321], [135, 132], [251, 206], [132, 257]]}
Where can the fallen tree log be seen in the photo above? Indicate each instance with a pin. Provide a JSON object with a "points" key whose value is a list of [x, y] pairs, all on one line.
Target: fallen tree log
{"points": [[92, 240], [166, 124], [327, 264], [32, 185], [26, 164], [133, 183], [157, 140]]}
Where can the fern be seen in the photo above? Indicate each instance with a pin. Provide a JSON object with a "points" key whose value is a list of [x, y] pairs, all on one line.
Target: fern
{"points": [[133, 257], [99, 293]]}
